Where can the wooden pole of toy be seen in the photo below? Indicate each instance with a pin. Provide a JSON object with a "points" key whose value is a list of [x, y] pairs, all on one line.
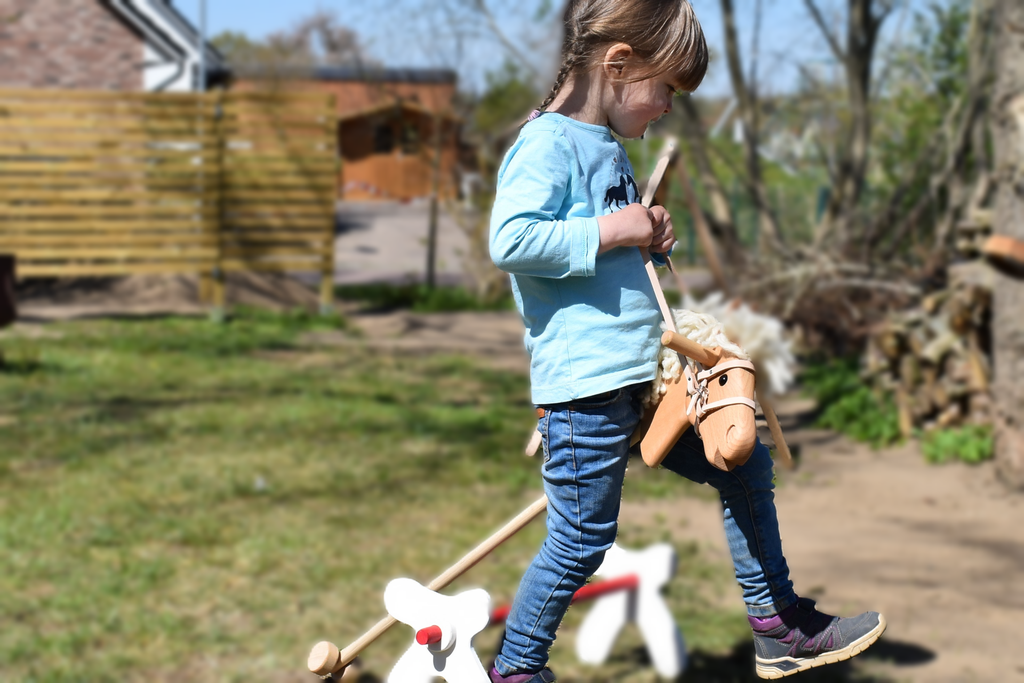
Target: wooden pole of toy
{"points": [[668, 155], [325, 657], [781, 447]]}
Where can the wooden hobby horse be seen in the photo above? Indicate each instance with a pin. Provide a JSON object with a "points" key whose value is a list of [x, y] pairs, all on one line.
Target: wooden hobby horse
{"points": [[715, 394]]}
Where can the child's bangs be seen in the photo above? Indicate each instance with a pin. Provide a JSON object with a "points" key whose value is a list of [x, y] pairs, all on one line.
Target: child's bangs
{"points": [[681, 51], [686, 58]]}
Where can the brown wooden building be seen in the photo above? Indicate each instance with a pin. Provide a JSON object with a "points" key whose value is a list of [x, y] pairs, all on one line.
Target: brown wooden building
{"points": [[387, 120]]}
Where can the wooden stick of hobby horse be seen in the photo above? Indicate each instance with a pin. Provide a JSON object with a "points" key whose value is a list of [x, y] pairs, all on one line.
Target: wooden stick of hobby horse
{"points": [[325, 658], [781, 447], [660, 169]]}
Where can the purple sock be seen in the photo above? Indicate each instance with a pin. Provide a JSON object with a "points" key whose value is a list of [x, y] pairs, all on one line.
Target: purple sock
{"points": [[511, 678], [763, 624]]}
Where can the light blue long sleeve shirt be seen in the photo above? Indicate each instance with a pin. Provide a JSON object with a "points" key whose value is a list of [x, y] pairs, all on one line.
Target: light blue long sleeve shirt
{"points": [[592, 320]]}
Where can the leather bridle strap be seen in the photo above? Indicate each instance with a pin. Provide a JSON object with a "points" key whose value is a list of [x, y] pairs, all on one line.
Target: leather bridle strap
{"points": [[697, 387]]}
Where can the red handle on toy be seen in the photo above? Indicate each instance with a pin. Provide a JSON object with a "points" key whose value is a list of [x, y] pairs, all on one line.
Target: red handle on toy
{"points": [[429, 635]]}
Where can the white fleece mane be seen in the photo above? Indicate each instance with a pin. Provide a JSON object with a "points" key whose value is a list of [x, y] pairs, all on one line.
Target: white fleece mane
{"points": [[716, 322]]}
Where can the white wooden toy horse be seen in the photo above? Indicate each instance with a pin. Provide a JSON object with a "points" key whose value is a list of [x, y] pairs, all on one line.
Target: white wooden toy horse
{"points": [[445, 626], [645, 606]]}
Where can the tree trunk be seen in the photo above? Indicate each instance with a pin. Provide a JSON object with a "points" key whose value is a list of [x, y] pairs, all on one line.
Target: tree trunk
{"points": [[1008, 298], [722, 221], [746, 96], [435, 189], [862, 26], [862, 29]]}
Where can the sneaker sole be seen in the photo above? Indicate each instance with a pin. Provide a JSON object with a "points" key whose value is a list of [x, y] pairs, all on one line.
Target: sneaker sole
{"points": [[787, 666]]}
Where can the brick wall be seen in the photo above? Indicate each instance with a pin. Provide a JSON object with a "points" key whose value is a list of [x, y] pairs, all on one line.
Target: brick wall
{"points": [[79, 44]]}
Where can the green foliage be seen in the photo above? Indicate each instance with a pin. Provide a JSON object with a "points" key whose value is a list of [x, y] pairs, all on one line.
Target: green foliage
{"points": [[941, 46], [420, 298], [508, 98], [317, 38], [926, 77], [848, 405], [970, 444], [791, 196]]}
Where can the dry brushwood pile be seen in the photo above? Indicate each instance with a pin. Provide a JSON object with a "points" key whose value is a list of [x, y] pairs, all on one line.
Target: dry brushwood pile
{"points": [[935, 357]]}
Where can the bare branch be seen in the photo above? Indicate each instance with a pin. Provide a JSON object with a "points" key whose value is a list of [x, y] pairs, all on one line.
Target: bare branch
{"points": [[746, 95], [492, 24], [894, 49], [755, 49], [868, 283], [833, 42]]}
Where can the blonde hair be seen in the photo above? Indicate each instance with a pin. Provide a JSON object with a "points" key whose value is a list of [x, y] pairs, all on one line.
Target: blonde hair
{"points": [[664, 34]]}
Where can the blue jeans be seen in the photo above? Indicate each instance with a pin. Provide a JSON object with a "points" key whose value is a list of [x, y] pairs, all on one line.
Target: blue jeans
{"points": [[586, 448]]}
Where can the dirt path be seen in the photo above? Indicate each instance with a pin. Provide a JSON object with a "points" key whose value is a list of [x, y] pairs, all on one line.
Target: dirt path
{"points": [[938, 549]]}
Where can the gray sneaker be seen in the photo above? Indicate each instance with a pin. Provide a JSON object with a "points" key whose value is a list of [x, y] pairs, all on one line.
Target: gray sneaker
{"points": [[801, 638]]}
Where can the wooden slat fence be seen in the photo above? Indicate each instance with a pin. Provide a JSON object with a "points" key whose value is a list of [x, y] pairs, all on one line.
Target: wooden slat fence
{"points": [[280, 174], [97, 183]]}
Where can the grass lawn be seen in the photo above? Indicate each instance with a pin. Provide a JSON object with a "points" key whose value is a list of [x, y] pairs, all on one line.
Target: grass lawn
{"points": [[195, 502]]}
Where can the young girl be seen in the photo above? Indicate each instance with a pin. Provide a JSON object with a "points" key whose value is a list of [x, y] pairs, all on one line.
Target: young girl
{"points": [[566, 225]]}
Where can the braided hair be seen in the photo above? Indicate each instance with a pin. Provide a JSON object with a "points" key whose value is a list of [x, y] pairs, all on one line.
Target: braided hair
{"points": [[574, 48]]}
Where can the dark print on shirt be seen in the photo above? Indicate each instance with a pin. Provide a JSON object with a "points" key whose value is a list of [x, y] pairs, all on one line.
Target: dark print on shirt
{"points": [[620, 193]]}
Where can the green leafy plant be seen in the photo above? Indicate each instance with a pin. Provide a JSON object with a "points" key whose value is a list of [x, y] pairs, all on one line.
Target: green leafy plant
{"points": [[848, 405], [970, 443], [507, 99]]}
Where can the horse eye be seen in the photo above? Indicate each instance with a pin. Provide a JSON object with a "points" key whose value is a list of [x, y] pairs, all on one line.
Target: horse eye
{"points": [[722, 380]]}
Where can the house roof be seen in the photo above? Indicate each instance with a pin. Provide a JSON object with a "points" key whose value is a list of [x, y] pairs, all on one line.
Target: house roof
{"points": [[166, 30], [392, 106], [347, 72]]}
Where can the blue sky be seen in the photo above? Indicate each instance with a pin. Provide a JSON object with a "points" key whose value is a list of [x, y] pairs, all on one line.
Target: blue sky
{"points": [[418, 33]]}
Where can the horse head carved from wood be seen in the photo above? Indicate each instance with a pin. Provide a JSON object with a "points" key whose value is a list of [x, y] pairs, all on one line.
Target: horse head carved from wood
{"points": [[716, 398]]}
